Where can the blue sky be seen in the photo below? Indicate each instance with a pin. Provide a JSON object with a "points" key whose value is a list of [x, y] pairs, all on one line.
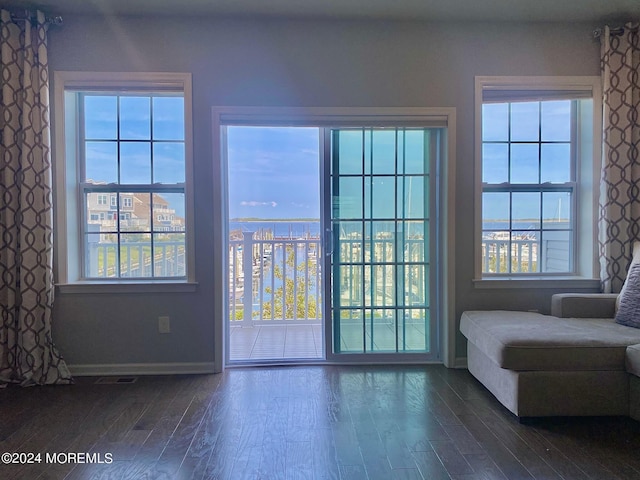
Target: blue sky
{"points": [[273, 172]]}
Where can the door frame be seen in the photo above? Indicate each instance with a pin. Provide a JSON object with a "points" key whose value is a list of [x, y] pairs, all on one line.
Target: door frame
{"points": [[341, 117]]}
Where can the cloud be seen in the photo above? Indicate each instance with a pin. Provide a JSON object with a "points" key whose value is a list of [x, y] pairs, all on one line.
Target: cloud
{"points": [[252, 203]]}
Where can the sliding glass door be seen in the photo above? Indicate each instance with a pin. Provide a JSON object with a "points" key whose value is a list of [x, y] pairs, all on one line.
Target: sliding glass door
{"points": [[332, 240], [382, 281]]}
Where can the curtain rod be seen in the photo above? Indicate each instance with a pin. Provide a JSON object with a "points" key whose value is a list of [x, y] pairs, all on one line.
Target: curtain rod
{"points": [[51, 19], [598, 32]]}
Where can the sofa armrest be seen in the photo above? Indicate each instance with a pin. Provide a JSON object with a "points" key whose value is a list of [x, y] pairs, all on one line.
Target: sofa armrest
{"points": [[583, 305]]}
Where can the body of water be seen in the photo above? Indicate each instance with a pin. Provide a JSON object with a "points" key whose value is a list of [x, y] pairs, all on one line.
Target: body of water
{"points": [[289, 228], [530, 225], [311, 229]]}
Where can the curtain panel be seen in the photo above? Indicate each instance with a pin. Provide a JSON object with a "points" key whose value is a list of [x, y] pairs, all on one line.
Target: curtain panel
{"points": [[27, 354], [620, 183]]}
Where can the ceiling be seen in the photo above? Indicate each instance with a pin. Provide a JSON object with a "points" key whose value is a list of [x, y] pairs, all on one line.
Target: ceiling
{"points": [[596, 11]]}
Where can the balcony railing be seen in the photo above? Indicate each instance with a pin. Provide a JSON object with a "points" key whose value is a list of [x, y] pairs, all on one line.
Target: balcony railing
{"points": [[525, 256], [135, 259], [284, 281], [274, 281]]}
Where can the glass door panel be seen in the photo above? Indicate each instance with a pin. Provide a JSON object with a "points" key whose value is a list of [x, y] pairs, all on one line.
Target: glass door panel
{"points": [[381, 275], [275, 289]]}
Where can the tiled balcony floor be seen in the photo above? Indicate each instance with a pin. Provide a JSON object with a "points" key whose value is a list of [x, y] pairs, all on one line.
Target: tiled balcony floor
{"points": [[276, 342], [304, 342]]}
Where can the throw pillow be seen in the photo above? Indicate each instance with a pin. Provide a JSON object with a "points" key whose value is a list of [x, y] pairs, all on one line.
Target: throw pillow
{"points": [[635, 258], [629, 307]]}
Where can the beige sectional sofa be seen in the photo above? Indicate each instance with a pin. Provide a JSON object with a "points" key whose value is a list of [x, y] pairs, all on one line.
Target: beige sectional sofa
{"points": [[577, 361]]}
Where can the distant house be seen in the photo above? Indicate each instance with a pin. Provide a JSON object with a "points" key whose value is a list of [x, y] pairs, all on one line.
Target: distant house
{"points": [[137, 212]]}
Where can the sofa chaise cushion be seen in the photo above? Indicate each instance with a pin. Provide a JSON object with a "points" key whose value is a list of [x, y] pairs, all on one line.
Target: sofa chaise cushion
{"points": [[633, 360], [527, 341]]}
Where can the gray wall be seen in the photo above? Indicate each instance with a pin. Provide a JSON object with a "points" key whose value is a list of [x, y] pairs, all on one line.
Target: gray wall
{"points": [[296, 63]]}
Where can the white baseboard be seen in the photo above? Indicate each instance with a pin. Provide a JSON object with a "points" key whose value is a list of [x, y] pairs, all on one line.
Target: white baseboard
{"points": [[99, 370], [460, 362]]}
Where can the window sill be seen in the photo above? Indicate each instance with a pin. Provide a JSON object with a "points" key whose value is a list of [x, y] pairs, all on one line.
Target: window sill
{"points": [[158, 286], [537, 282]]}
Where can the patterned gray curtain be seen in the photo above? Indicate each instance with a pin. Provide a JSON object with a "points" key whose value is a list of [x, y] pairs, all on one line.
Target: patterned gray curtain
{"points": [[620, 186], [27, 353]]}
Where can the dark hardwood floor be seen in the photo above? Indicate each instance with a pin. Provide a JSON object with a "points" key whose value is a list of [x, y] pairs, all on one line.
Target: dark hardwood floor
{"points": [[317, 422]]}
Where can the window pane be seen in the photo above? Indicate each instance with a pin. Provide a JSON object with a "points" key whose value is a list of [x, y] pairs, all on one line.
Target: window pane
{"points": [[415, 285], [495, 122], [556, 162], [383, 192], [525, 125], [399, 154], [350, 152], [556, 210], [382, 243], [168, 212], [414, 153], [168, 163], [135, 255], [169, 255], [101, 257], [135, 118], [525, 251], [368, 157], [495, 162], [347, 203], [135, 162], [168, 118], [100, 216], [384, 151], [350, 234], [556, 251], [381, 324], [351, 330], [350, 285], [415, 331], [382, 288], [135, 208], [495, 210], [412, 197], [101, 162], [525, 210], [495, 252], [524, 163], [100, 117], [556, 121], [416, 243]]}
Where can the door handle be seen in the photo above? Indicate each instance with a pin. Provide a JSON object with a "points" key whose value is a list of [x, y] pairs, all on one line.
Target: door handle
{"points": [[328, 241]]}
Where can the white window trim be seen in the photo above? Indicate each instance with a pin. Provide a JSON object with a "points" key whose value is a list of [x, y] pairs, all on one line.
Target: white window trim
{"points": [[67, 268], [587, 176], [359, 116]]}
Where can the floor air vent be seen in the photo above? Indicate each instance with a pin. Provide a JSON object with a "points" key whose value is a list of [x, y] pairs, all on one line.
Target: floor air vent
{"points": [[116, 380]]}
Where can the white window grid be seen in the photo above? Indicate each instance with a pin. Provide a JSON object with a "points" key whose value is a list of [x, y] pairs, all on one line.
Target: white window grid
{"points": [[528, 251], [121, 194]]}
